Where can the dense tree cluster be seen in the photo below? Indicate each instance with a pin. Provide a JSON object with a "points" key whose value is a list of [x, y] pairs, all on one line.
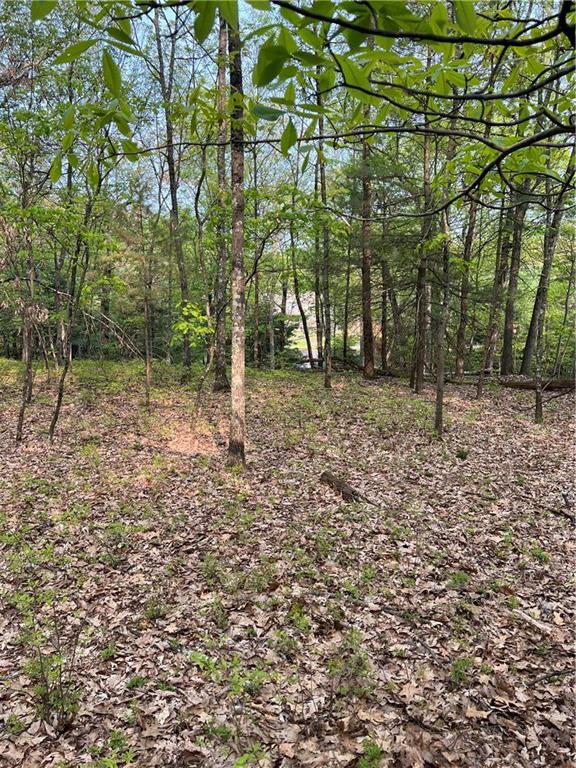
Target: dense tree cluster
{"points": [[381, 184]]}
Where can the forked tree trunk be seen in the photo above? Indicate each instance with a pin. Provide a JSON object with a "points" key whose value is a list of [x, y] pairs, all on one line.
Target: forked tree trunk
{"points": [[236, 449]]}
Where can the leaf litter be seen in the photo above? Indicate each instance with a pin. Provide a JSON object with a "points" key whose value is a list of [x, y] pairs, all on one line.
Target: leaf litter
{"points": [[227, 619]]}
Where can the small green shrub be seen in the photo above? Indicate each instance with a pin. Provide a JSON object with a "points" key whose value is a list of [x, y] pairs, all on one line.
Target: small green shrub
{"points": [[459, 671]]}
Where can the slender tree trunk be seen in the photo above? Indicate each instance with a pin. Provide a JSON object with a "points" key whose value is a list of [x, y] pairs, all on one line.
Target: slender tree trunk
{"points": [[417, 376], [297, 295], [236, 450], [567, 301], [220, 378], [507, 356], [367, 328], [500, 270], [27, 358], [384, 320], [465, 290], [346, 301], [283, 302], [271, 340], [398, 339], [442, 325], [166, 80], [325, 256], [553, 222], [256, 329], [318, 310], [318, 305], [538, 409]]}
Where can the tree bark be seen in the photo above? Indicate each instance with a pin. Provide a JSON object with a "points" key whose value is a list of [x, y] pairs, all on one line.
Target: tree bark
{"points": [[417, 375], [271, 339], [325, 256], [500, 271], [507, 356], [166, 80], [553, 222], [367, 328], [346, 301], [236, 449], [465, 290], [220, 377]]}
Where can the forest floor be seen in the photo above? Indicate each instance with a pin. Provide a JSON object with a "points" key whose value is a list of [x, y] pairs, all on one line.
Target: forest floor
{"points": [[164, 610]]}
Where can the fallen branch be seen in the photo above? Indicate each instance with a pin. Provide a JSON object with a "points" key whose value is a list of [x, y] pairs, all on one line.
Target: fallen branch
{"points": [[551, 385], [340, 486]]}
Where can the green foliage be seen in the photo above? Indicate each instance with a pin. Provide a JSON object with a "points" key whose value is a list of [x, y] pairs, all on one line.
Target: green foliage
{"points": [[460, 669], [192, 324]]}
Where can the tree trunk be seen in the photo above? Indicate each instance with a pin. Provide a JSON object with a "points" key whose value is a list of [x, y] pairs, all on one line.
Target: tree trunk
{"points": [[384, 321], [346, 301], [417, 375], [220, 378], [465, 290], [442, 325], [367, 328], [166, 80], [567, 302], [271, 340], [318, 309], [297, 295], [256, 325], [325, 256], [236, 450], [500, 270], [550, 240], [507, 356], [283, 303]]}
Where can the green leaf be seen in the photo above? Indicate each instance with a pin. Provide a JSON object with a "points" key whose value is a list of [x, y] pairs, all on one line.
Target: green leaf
{"points": [[120, 35], [465, 15], [68, 118], [356, 78], [229, 11], [266, 113], [56, 168], [289, 137], [290, 93], [271, 59], [205, 16], [93, 175], [131, 149], [74, 51], [111, 74], [41, 8], [68, 141]]}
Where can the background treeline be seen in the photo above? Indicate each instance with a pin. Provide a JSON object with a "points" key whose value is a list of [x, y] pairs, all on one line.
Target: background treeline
{"points": [[107, 251]]}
